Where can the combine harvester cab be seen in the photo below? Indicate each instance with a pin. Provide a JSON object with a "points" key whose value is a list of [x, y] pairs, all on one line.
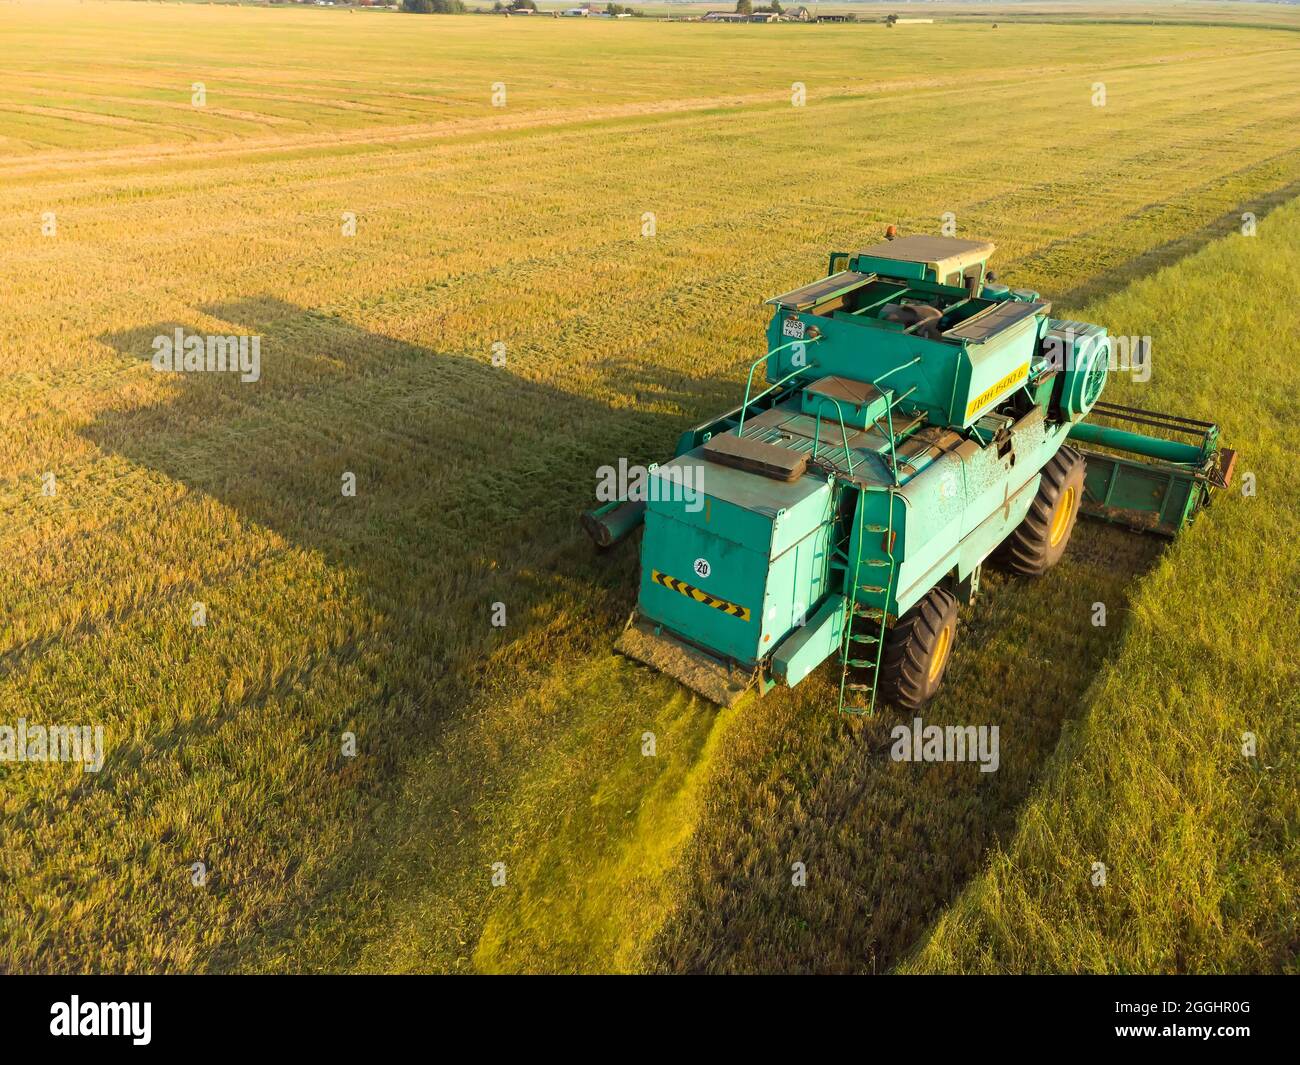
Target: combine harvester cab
{"points": [[918, 420]]}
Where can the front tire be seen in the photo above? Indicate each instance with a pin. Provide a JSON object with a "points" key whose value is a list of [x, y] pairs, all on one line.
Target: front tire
{"points": [[1039, 541], [917, 651]]}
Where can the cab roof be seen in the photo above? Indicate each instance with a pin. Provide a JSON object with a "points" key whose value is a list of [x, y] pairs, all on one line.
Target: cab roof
{"points": [[943, 254]]}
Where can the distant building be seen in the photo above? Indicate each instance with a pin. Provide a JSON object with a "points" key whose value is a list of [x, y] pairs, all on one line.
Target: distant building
{"points": [[736, 16], [574, 12], [801, 14], [836, 18]]}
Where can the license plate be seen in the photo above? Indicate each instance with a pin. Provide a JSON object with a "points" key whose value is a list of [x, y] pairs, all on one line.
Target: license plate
{"points": [[792, 327]]}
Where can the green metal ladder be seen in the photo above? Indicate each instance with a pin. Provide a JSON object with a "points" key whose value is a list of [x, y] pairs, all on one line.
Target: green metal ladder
{"points": [[863, 645], [857, 646]]}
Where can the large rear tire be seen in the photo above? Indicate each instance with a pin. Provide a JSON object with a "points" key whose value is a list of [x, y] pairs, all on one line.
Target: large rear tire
{"points": [[1039, 541], [917, 651]]}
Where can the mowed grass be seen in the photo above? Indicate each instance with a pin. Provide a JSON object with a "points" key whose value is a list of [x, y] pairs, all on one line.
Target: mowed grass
{"points": [[1197, 836], [330, 614]]}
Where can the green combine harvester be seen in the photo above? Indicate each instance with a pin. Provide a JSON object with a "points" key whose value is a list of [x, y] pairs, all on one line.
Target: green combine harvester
{"points": [[919, 419]]}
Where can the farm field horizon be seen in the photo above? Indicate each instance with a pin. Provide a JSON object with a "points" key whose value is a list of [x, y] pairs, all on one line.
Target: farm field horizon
{"points": [[485, 257]]}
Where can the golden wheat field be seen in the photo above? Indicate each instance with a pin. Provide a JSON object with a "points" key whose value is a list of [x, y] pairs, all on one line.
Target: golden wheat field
{"points": [[484, 257]]}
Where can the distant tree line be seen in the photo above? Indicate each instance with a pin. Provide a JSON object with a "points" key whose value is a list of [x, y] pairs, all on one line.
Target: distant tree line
{"points": [[435, 7]]}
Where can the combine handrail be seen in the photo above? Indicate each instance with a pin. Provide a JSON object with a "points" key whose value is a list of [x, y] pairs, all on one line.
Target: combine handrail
{"points": [[844, 433], [887, 373], [893, 450], [889, 413], [749, 383]]}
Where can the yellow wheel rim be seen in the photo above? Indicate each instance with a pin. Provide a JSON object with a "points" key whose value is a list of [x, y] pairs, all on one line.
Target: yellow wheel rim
{"points": [[1061, 519], [941, 649]]}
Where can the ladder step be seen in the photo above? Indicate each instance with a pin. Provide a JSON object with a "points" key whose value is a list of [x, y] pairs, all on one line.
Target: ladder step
{"points": [[861, 674]]}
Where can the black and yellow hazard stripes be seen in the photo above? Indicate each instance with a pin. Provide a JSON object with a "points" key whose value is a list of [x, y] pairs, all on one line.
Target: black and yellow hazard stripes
{"points": [[734, 609]]}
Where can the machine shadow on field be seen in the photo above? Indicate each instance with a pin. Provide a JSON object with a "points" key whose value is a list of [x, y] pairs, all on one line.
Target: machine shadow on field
{"points": [[469, 480]]}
